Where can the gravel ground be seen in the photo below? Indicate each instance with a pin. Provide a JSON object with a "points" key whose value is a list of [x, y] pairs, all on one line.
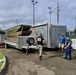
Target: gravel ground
{"points": [[18, 63]]}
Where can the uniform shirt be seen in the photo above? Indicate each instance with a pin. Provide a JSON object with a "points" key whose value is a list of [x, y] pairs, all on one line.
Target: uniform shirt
{"points": [[68, 41], [40, 40], [62, 40]]}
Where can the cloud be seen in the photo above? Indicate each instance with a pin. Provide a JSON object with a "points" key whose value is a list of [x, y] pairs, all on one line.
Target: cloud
{"points": [[22, 10]]}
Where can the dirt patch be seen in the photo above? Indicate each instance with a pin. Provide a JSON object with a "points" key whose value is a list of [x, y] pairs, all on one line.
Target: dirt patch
{"points": [[52, 63]]}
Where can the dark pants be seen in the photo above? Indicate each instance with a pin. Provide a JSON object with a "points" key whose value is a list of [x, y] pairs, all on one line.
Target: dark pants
{"points": [[68, 51]]}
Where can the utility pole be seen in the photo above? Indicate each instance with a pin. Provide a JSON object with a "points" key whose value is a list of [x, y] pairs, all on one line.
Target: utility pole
{"points": [[58, 9], [75, 27], [50, 12], [75, 22], [33, 3], [4, 26]]}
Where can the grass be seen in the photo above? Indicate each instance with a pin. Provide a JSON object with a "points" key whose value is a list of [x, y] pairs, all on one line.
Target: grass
{"points": [[1, 57], [1, 63]]}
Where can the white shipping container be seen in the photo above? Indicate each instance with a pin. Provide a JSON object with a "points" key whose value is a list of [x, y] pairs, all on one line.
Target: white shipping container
{"points": [[50, 33]]}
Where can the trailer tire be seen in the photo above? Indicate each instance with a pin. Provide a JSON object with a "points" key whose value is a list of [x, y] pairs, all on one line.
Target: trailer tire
{"points": [[30, 41]]}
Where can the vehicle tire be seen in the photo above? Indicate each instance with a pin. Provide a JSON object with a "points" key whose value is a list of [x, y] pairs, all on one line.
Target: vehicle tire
{"points": [[30, 41]]}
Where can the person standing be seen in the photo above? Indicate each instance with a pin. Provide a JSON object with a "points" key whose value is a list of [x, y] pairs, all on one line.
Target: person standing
{"points": [[68, 48], [61, 43], [40, 42]]}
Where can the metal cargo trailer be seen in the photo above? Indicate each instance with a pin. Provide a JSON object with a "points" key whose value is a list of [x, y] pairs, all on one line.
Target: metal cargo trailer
{"points": [[50, 33]]}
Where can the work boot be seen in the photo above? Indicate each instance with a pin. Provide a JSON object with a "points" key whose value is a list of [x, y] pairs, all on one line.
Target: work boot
{"points": [[40, 58], [65, 57], [70, 58]]}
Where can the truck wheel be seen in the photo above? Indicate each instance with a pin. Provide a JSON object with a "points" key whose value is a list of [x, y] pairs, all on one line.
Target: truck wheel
{"points": [[30, 41]]}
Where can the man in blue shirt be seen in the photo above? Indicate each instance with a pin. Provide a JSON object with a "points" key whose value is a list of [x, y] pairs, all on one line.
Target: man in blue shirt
{"points": [[61, 43]]}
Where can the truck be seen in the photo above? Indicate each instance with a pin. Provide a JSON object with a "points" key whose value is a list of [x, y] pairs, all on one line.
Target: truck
{"points": [[50, 32]]}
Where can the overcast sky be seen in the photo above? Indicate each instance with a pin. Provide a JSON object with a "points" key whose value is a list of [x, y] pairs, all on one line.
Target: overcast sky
{"points": [[13, 11]]}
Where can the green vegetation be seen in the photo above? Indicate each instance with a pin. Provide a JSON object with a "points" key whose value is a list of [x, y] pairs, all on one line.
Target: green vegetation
{"points": [[1, 57], [72, 37], [1, 63], [2, 32]]}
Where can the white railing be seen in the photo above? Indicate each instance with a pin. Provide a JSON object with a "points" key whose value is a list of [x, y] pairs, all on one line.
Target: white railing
{"points": [[74, 43]]}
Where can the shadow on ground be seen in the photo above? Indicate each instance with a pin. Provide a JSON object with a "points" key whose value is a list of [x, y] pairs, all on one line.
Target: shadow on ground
{"points": [[50, 49]]}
